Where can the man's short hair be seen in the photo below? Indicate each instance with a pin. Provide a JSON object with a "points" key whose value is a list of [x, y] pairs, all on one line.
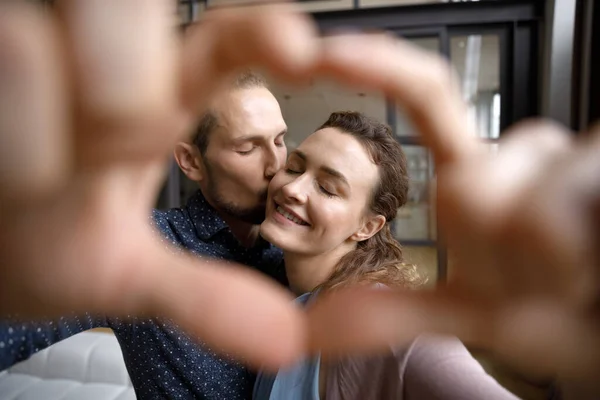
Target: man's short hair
{"points": [[208, 122]]}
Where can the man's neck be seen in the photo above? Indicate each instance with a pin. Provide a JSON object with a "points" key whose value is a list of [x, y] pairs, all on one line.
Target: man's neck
{"points": [[305, 273], [245, 233]]}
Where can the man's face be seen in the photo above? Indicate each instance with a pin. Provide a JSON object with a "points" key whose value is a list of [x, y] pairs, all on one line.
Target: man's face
{"points": [[244, 152]]}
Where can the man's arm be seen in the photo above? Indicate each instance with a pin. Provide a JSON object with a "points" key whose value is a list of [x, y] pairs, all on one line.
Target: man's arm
{"points": [[20, 340]]}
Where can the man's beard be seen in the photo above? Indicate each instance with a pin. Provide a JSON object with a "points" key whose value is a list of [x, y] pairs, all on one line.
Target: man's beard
{"points": [[254, 215]]}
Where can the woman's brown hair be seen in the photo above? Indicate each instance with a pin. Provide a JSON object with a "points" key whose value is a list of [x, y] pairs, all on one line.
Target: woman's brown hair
{"points": [[378, 259]]}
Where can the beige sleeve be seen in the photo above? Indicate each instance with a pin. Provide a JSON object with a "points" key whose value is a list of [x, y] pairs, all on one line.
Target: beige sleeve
{"points": [[442, 368]]}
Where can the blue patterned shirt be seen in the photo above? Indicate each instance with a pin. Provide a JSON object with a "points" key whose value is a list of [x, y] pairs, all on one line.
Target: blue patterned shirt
{"points": [[162, 361]]}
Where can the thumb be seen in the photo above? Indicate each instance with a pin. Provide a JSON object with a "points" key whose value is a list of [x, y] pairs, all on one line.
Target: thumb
{"points": [[33, 121], [231, 308], [541, 336]]}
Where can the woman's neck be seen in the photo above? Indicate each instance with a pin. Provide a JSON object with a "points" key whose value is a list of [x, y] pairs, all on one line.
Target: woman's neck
{"points": [[306, 272]]}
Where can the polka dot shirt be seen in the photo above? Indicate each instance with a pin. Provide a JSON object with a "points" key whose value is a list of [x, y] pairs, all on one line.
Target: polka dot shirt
{"points": [[162, 361]]}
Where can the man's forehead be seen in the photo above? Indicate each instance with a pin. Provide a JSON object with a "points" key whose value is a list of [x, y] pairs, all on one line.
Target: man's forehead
{"points": [[248, 112]]}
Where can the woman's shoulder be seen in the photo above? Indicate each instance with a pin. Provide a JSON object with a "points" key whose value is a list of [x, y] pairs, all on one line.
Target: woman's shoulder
{"points": [[386, 374], [394, 361], [439, 349], [380, 376]]}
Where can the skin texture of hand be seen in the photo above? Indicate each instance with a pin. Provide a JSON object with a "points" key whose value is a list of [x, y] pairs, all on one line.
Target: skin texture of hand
{"points": [[94, 97], [522, 228]]}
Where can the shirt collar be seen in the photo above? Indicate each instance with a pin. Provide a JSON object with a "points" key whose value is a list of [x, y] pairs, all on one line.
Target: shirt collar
{"points": [[208, 222], [205, 218]]}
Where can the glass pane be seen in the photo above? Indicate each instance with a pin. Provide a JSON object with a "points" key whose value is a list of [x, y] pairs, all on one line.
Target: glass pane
{"points": [[416, 220], [308, 6], [477, 61], [183, 12], [403, 125], [304, 110], [426, 260], [379, 3]]}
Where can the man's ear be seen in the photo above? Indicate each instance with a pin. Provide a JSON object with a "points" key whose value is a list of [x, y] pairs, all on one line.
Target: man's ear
{"points": [[370, 227], [189, 159]]}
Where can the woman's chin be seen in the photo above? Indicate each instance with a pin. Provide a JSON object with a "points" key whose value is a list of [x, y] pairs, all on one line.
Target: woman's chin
{"points": [[268, 231], [275, 235]]}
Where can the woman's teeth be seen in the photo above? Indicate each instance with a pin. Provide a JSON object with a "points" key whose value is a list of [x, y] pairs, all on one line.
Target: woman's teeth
{"points": [[289, 216]]}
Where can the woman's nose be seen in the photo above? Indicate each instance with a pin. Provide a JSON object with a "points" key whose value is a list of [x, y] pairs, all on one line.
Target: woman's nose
{"points": [[295, 190]]}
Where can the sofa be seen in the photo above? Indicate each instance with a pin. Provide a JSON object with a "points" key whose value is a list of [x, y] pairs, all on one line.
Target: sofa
{"points": [[86, 366]]}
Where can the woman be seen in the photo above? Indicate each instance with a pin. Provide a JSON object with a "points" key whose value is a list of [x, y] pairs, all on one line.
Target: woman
{"points": [[329, 209]]}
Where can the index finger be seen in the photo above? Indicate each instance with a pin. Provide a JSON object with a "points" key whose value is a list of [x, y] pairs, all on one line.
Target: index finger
{"points": [[421, 82]]}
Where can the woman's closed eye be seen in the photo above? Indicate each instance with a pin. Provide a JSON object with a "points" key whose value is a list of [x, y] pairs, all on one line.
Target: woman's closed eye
{"points": [[327, 190], [293, 168]]}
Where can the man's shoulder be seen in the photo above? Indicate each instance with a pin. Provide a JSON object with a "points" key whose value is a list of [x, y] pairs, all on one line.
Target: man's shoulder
{"points": [[168, 222], [163, 217]]}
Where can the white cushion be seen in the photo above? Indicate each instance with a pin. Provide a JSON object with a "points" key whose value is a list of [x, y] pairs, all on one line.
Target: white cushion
{"points": [[88, 365]]}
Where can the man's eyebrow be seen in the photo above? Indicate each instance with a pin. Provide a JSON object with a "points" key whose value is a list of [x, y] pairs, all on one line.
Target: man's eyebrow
{"points": [[328, 170], [248, 138], [254, 138], [299, 154]]}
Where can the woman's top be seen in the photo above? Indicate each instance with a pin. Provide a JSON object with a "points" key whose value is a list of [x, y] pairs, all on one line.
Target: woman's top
{"points": [[431, 367]]}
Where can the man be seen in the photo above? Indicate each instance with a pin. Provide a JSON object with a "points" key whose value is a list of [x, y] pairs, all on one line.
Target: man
{"points": [[237, 149]]}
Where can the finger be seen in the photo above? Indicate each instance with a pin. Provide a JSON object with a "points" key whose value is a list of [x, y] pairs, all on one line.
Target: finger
{"points": [[123, 56], [276, 37], [232, 309], [359, 321], [480, 199], [549, 338], [422, 83], [34, 141], [559, 220], [542, 337], [468, 191], [527, 154]]}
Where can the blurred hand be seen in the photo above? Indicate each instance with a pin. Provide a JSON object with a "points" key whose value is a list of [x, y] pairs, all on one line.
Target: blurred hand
{"points": [[521, 226], [92, 104], [93, 99]]}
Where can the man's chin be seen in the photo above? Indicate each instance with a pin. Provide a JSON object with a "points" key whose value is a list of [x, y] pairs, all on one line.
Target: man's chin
{"points": [[254, 216], [255, 219]]}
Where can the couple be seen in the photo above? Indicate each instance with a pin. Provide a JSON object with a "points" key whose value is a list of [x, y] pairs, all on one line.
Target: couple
{"points": [[328, 208]]}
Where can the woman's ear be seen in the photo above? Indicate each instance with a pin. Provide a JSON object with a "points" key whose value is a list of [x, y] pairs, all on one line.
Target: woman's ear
{"points": [[370, 227], [189, 159]]}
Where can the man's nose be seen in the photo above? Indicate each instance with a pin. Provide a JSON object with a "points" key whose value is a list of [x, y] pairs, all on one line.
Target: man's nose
{"points": [[273, 163]]}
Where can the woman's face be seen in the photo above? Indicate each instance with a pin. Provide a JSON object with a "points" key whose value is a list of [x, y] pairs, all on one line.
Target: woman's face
{"points": [[319, 202]]}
